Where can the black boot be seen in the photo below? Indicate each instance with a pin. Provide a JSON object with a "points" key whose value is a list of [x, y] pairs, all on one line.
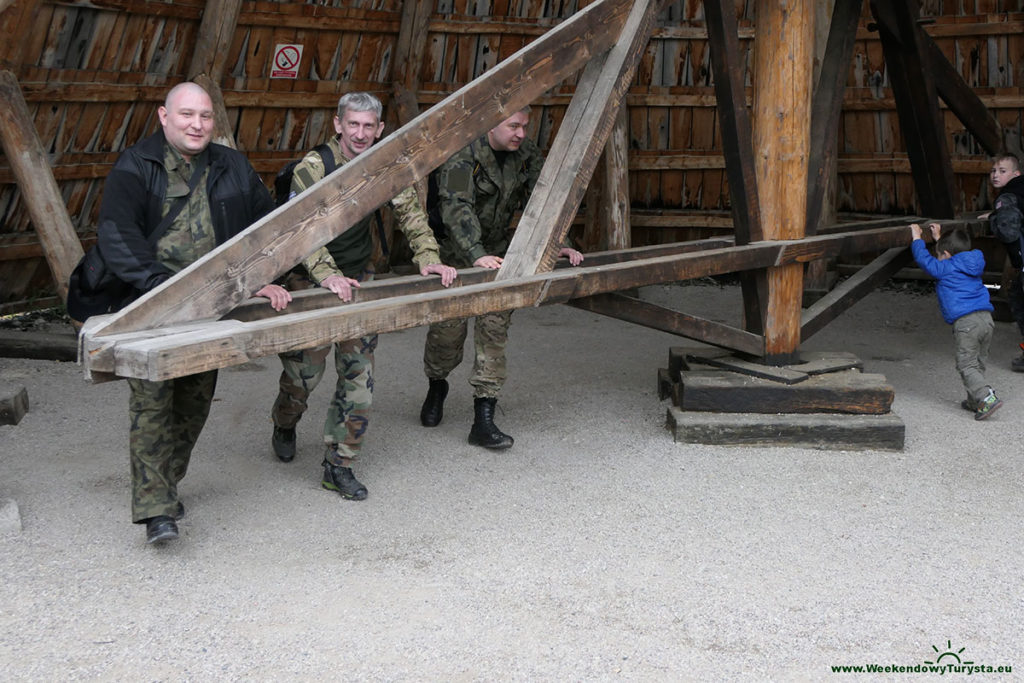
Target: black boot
{"points": [[341, 479], [433, 406], [484, 433]]}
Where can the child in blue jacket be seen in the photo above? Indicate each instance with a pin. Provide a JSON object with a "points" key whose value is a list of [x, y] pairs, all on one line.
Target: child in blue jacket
{"points": [[965, 305]]}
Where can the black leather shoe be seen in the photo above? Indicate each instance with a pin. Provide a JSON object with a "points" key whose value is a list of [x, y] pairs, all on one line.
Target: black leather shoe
{"points": [[341, 479], [159, 529], [433, 406], [283, 442]]}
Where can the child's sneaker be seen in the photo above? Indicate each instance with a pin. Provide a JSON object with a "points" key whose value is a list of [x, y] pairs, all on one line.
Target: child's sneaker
{"points": [[987, 406]]}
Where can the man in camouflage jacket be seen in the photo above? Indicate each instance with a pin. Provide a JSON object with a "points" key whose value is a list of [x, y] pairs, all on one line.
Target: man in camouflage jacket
{"points": [[148, 178], [340, 266], [473, 198]]}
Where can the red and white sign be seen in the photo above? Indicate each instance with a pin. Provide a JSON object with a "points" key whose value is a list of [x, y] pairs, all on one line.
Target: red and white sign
{"points": [[286, 61]]}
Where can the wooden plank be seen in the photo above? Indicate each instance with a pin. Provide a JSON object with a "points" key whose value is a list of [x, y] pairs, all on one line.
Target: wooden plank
{"points": [[39, 345], [622, 307], [219, 344], [614, 218], [914, 90], [223, 135], [216, 32], [228, 275], [39, 190], [849, 391], [821, 431], [852, 290], [575, 152]]}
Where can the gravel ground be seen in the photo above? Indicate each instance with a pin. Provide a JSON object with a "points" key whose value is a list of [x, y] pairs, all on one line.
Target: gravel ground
{"points": [[595, 549]]}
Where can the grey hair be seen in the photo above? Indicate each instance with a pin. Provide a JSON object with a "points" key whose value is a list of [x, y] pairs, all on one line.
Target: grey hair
{"points": [[360, 101]]}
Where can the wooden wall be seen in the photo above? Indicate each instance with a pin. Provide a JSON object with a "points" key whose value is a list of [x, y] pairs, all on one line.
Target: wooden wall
{"points": [[94, 71]]}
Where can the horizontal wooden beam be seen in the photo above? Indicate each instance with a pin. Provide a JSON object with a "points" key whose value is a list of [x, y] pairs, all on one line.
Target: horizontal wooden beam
{"points": [[185, 349]]}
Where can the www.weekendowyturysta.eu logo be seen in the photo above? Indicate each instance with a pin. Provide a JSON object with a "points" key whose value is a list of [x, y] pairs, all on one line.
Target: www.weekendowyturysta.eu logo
{"points": [[943, 661]]}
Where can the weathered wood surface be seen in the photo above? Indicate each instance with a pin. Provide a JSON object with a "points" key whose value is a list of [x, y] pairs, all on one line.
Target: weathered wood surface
{"points": [[230, 274], [39, 345], [837, 392], [216, 33], [28, 160], [574, 154], [821, 431]]}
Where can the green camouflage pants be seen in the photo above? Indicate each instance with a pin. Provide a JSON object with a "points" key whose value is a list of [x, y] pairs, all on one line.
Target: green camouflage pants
{"points": [[349, 412], [443, 351], [166, 419]]}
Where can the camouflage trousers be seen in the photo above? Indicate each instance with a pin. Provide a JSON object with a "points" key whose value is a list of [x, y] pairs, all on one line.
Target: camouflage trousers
{"points": [[349, 412], [443, 351], [166, 419]]}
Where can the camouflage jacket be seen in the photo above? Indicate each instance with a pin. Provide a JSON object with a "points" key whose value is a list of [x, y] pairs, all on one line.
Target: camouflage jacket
{"points": [[349, 253], [478, 192]]}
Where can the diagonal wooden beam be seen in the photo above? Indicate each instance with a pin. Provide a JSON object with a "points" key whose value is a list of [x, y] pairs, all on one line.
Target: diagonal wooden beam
{"points": [[39, 191], [827, 105], [728, 63], [729, 67], [185, 349], [228, 275], [962, 100], [917, 105], [633, 310], [852, 290], [213, 44], [581, 136]]}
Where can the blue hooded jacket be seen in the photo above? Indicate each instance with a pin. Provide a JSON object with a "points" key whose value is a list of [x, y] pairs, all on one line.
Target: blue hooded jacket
{"points": [[959, 283]]}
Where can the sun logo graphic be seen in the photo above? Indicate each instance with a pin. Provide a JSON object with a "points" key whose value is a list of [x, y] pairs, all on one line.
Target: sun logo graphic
{"points": [[949, 653]]}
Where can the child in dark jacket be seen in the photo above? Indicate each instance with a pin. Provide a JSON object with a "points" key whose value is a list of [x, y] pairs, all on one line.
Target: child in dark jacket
{"points": [[965, 305], [1007, 223]]}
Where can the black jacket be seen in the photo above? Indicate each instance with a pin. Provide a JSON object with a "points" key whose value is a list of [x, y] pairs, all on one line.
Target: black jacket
{"points": [[133, 197], [1007, 219]]}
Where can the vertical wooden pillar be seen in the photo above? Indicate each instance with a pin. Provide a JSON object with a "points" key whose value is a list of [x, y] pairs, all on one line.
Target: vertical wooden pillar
{"points": [[783, 52], [612, 220], [38, 188], [220, 18]]}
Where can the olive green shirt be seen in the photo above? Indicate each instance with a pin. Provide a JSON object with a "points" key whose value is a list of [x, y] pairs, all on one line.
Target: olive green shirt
{"points": [[478, 192], [190, 235], [349, 253]]}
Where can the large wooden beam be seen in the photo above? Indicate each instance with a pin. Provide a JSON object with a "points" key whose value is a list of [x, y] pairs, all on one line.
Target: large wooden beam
{"points": [[633, 310], [581, 137], [614, 219], [38, 188], [222, 132], [783, 56], [228, 275], [185, 349], [917, 104]]}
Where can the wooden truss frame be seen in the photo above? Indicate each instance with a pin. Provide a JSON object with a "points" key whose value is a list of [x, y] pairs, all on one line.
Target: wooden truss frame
{"points": [[202, 318]]}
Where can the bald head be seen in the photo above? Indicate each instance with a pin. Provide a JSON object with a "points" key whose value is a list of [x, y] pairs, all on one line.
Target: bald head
{"points": [[187, 119]]}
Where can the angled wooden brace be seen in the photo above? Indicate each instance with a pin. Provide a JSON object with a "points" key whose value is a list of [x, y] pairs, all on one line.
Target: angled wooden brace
{"points": [[228, 275]]}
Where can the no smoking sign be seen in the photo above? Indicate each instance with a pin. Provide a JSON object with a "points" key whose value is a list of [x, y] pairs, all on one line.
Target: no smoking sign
{"points": [[286, 61]]}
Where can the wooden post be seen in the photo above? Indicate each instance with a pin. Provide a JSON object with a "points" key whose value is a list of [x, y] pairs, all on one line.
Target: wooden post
{"points": [[783, 50], [31, 169], [613, 219], [222, 133], [220, 17]]}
